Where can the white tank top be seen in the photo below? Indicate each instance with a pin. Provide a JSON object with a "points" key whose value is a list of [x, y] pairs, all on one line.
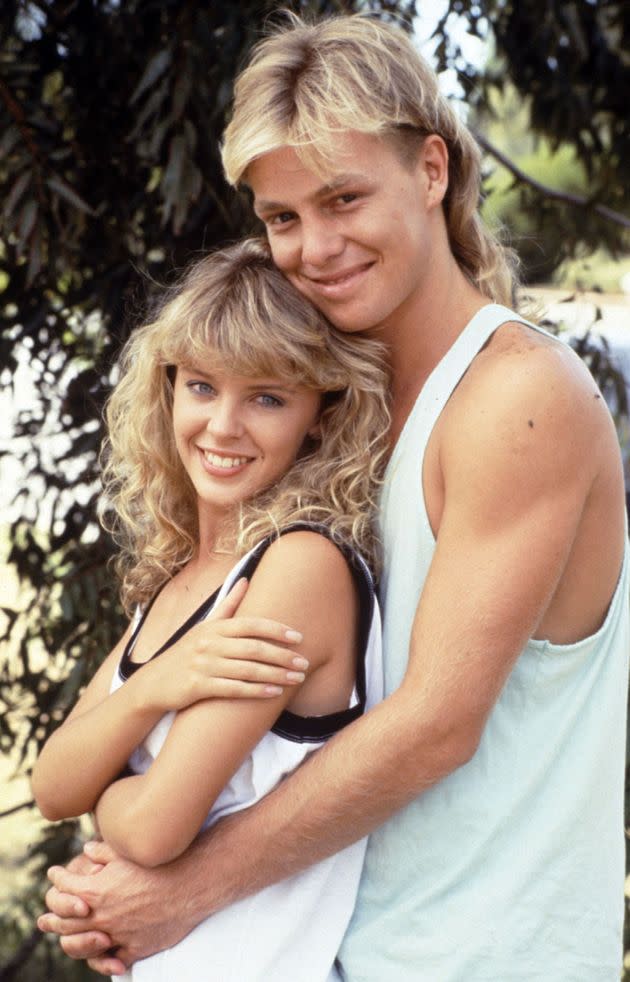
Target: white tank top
{"points": [[290, 931], [512, 868]]}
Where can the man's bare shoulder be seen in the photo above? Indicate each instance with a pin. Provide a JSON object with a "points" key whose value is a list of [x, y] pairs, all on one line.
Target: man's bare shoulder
{"points": [[529, 401], [515, 347], [525, 377]]}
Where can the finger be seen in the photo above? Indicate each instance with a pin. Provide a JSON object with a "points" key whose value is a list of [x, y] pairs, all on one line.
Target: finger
{"points": [[90, 944], [233, 689], [253, 627], [230, 603], [263, 653], [247, 658], [243, 670], [107, 965], [99, 852], [65, 881], [80, 864], [65, 926], [66, 904]]}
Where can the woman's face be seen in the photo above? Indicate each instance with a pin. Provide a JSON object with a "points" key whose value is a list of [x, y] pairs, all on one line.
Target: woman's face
{"points": [[238, 435]]}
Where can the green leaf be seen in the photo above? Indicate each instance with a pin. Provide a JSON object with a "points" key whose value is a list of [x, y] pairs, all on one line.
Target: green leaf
{"points": [[9, 138], [27, 222], [16, 193], [156, 67], [69, 194]]}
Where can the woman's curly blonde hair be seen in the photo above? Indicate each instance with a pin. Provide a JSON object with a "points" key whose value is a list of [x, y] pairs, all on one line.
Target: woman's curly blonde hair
{"points": [[234, 309]]}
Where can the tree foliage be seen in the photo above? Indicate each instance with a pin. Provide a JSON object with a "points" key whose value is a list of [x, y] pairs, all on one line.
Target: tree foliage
{"points": [[111, 116], [110, 120], [568, 61]]}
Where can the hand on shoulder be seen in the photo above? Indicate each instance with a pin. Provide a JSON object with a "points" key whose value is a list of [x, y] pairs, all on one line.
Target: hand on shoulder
{"points": [[304, 580]]}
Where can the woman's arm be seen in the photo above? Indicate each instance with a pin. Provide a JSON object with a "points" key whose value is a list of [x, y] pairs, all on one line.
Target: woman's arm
{"points": [[304, 580], [90, 749], [92, 745]]}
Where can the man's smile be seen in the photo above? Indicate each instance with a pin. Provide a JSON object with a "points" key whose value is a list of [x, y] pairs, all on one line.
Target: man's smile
{"points": [[336, 284]]}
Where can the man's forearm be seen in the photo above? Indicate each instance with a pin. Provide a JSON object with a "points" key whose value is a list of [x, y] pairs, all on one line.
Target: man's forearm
{"points": [[364, 775]]}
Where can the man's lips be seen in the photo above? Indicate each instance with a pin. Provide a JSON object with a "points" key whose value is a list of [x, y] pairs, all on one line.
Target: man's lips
{"points": [[336, 284]]}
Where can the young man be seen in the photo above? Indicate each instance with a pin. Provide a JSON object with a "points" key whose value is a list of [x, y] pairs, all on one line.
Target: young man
{"points": [[491, 777]]}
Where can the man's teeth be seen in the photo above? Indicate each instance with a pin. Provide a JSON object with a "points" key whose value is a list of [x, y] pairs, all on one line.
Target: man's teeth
{"points": [[224, 462]]}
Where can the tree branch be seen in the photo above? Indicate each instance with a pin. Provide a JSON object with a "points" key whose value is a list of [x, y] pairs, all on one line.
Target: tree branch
{"points": [[10, 969], [568, 197], [15, 109], [17, 808]]}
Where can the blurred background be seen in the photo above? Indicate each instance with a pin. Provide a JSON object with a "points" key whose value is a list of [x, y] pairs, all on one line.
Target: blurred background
{"points": [[110, 118]]}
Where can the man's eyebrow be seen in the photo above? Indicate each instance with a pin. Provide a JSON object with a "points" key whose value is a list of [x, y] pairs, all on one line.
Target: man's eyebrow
{"points": [[340, 182], [262, 205]]}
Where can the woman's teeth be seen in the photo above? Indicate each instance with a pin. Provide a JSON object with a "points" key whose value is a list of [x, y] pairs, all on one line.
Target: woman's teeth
{"points": [[225, 462]]}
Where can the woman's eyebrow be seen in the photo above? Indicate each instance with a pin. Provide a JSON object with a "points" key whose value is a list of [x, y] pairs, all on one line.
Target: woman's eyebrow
{"points": [[263, 383]]}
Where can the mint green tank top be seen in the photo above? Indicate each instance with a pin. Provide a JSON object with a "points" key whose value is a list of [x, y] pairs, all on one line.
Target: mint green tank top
{"points": [[512, 868]]}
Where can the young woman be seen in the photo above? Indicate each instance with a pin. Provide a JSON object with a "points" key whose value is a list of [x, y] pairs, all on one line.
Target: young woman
{"points": [[245, 448]]}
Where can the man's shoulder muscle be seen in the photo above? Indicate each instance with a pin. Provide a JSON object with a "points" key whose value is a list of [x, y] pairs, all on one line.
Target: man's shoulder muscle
{"points": [[523, 385]]}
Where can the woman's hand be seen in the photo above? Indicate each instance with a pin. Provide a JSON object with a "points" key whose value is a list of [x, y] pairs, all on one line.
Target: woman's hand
{"points": [[225, 657]]}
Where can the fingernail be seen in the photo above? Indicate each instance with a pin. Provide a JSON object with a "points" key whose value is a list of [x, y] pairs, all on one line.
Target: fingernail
{"points": [[295, 676], [273, 690], [293, 636], [300, 662]]}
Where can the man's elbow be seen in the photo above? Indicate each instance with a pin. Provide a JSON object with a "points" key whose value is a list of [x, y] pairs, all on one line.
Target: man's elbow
{"points": [[444, 745], [462, 746]]}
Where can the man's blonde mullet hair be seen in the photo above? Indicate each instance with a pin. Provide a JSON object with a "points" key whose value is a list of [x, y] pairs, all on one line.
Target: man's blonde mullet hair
{"points": [[308, 82], [234, 311]]}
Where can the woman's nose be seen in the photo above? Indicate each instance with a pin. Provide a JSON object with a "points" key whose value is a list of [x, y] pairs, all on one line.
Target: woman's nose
{"points": [[224, 419]]}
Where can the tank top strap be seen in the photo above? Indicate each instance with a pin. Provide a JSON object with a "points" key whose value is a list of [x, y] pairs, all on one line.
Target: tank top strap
{"points": [[447, 374]]}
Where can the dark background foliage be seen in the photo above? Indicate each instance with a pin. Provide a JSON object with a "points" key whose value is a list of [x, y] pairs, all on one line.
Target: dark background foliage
{"points": [[110, 120]]}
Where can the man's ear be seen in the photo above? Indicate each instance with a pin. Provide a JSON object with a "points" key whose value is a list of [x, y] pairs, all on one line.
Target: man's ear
{"points": [[434, 163]]}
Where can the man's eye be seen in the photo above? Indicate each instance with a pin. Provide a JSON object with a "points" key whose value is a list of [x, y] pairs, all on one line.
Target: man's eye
{"points": [[281, 218]]}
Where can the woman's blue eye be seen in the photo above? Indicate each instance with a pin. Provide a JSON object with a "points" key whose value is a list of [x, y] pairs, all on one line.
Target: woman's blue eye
{"points": [[201, 388], [269, 400]]}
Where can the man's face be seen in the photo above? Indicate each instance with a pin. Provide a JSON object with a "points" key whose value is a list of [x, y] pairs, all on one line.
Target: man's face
{"points": [[357, 241]]}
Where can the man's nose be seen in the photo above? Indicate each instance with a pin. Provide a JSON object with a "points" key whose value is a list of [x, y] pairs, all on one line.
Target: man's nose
{"points": [[322, 241]]}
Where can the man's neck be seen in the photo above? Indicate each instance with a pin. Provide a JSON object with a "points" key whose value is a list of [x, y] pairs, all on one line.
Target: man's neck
{"points": [[420, 339]]}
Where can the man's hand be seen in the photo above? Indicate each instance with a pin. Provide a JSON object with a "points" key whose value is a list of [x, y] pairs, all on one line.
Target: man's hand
{"points": [[110, 911], [69, 913]]}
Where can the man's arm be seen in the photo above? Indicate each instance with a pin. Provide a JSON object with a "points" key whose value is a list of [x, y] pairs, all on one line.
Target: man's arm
{"points": [[515, 499]]}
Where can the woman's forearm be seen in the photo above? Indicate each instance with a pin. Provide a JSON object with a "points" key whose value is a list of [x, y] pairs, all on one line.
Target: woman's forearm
{"points": [[140, 824], [87, 752]]}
